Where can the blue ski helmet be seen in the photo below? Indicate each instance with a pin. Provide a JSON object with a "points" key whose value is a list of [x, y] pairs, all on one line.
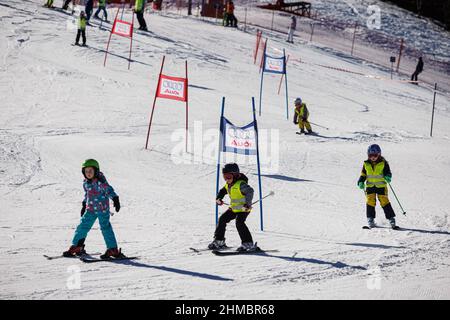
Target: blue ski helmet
{"points": [[374, 149], [298, 101]]}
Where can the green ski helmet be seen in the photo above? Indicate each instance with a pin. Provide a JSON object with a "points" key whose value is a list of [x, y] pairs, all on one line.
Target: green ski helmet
{"points": [[90, 163]]}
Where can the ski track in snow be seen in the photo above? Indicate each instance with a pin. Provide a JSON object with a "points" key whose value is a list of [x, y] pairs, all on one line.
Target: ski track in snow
{"points": [[61, 106]]}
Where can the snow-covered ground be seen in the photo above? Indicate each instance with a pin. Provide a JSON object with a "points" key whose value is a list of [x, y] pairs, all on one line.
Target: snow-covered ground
{"points": [[59, 106]]}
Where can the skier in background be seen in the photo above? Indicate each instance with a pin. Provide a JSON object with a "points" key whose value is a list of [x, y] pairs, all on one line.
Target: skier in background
{"points": [[375, 175], [241, 195], [82, 21], [230, 17], [292, 27], [101, 7], [88, 7], [419, 69], [49, 4], [66, 4], [301, 115], [139, 9], [95, 205]]}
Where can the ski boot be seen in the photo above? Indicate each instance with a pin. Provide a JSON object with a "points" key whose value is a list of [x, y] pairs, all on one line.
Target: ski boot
{"points": [[112, 253], [392, 223], [217, 245], [247, 246], [371, 222], [75, 250], [309, 132]]}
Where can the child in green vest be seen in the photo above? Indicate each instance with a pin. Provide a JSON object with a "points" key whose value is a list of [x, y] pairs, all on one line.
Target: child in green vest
{"points": [[301, 115], [81, 28], [241, 195], [375, 175]]}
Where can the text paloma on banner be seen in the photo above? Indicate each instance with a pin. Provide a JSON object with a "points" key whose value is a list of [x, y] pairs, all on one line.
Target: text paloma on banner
{"points": [[172, 88], [123, 28], [241, 140]]}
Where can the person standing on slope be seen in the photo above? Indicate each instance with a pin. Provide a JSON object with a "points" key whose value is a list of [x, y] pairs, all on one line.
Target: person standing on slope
{"points": [[419, 69], [375, 175], [95, 205], [101, 7], [49, 4], [66, 4], [292, 27], [241, 195], [88, 7], [301, 115], [82, 21], [139, 10]]}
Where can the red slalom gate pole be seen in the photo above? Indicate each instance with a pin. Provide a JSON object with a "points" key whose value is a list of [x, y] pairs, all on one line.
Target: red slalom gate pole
{"points": [[109, 40], [154, 102], [187, 109], [258, 40], [282, 76], [131, 41]]}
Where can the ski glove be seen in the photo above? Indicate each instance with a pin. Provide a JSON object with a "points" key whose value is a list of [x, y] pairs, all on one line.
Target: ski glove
{"points": [[388, 179], [247, 207], [361, 185], [219, 202], [83, 208], [116, 203]]}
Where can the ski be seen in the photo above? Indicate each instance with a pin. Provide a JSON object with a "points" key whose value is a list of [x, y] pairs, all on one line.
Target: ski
{"points": [[61, 256], [91, 260], [234, 253], [207, 249], [369, 228]]}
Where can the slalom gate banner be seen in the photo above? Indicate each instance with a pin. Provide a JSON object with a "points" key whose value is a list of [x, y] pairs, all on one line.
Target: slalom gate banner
{"points": [[172, 88], [276, 65], [239, 140], [124, 29]]}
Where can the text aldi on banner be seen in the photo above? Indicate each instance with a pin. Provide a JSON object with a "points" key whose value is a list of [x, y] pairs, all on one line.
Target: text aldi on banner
{"points": [[172, 88], [122, 28], [274, 65], [241, 140]]}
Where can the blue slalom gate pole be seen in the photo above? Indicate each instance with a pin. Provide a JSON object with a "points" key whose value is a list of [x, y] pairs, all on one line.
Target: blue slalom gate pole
{"points": [[259, 166], [285, 82], [218, 157]]}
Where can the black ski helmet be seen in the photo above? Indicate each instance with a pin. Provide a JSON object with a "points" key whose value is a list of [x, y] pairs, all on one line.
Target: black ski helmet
{"points": [[374, 149], [230, 168]]}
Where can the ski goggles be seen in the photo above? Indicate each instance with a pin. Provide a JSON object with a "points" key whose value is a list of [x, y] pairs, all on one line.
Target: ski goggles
{"points": [[228, 176], [374, 155]]}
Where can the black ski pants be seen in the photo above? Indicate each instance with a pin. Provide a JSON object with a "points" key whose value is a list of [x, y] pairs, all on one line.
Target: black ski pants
{"points": [[242, 228]]}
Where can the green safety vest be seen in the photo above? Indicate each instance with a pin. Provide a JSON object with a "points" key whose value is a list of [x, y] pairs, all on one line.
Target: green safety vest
{"points": [[82, 23], [375, 176], [303, 112], [139, 5], [237, 198]]}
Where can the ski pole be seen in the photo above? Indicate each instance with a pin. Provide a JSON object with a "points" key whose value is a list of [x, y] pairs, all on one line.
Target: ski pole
{"points": [[271, 193], [404, 212], [319, 125]]}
